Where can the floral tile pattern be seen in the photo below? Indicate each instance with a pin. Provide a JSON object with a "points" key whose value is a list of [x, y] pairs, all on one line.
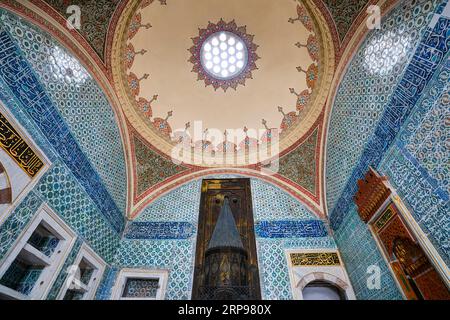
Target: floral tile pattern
{"points": [[11, 228], [369, 111], [272, 203], [39, 107], [79, 100], [360, 253], [362, 95], [60, 190], [95, 17]]}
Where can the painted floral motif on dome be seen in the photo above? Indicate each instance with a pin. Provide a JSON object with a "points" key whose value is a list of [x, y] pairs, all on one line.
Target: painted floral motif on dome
{"points": [[162, 125], [288, 119], [311, 75], [302, 99], [146, 106], [248, 142], [134, 83], [304, 17], [226, 147], [204, 145], [130, 54], [312, 46]]}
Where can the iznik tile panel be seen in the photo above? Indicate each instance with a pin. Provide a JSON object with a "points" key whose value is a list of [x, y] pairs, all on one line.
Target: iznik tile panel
{"points": [[360, 252], [182, 204], [175, 255], [405, 142], [65, 99], [367, 88], [291, 229], [60, 190], [159, 230]]}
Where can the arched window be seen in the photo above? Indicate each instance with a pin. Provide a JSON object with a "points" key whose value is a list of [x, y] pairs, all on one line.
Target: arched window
{"points": [[322, 290]]}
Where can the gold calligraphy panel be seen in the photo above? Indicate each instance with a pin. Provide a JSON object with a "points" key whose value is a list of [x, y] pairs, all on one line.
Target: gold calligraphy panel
{"points": [[18, 149], [315, 259], [384, 218]]}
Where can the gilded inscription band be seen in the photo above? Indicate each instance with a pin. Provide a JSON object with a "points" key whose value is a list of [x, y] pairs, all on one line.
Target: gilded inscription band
{"points": [[315, 259]]}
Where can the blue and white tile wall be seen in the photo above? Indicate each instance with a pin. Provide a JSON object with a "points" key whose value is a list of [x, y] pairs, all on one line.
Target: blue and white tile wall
{"points": [[282, 222], [79, 100], [418, 164], [367, 87], [274, 207], [402, 106], [104, 290], [53, 99]]}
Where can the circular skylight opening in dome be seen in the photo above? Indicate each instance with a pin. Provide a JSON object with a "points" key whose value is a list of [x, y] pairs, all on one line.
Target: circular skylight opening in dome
{"points": [[224, 55]]}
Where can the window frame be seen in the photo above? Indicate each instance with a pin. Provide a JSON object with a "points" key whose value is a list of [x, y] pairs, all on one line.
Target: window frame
{"points": [[57, 227], [125, 274]]}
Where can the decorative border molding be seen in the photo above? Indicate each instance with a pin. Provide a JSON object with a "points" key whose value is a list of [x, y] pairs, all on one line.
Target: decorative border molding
{"points": [[124, 274]]}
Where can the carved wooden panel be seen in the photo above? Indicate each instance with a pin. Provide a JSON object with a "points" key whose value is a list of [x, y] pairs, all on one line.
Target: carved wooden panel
{"points": [[412, 268], [372, 193], [415, 273]]}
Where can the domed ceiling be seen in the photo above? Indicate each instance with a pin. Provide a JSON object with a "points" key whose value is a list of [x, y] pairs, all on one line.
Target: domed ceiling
{"points": [[150, 58], [273, 65]]}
